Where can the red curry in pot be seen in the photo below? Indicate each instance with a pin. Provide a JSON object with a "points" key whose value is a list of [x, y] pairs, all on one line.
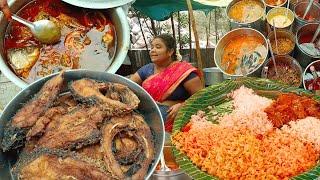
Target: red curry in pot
{"points": [[87, 41]]}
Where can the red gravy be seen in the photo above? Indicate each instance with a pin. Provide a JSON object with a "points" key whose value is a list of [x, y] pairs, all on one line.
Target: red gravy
{"points": [[88, 41]]}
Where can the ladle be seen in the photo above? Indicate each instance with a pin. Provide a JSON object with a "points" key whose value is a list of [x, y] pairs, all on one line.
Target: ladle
{"points": [[275, 37], [44, 31], [315, 34], [273, 59], [307, 9]]}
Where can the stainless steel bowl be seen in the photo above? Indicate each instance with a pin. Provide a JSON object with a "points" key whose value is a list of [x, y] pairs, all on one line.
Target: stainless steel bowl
{"points": [[174, 174], [307, 73], [300, 8], [280, 11], [280, 33], [227, 38], [147, 107], [304, 58], [118, 18], [316, 64], [258, 24], [288, 60]]}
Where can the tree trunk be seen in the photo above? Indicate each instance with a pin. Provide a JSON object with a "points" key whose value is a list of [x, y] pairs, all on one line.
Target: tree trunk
{"points": [[154, 30], [172, 26], [195, 33], [179, 33]]}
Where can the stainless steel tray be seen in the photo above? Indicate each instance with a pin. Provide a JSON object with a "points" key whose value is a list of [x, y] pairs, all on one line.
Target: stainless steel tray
{"points": [[147, 108]]}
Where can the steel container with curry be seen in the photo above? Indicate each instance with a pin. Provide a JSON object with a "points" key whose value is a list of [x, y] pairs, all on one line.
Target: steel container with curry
{"points": [[89, 41], [247, 13], [241, 52]]}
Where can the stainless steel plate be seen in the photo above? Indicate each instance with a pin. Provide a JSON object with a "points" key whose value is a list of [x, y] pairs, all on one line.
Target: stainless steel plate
{"points": [[98, 4], [147, 107]]}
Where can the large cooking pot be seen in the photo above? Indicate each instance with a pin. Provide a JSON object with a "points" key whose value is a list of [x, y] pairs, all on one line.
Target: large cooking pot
{"points": [[118, 18], [229, 38], [147, 107]]}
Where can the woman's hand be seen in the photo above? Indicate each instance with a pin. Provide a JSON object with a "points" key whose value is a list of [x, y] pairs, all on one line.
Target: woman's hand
{"points": [[5, 9], [173, 110]]}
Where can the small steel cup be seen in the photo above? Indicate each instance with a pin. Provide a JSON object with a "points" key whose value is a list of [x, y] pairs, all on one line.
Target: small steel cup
{"points": [[279, 11], [212, 76], [283, 34]]}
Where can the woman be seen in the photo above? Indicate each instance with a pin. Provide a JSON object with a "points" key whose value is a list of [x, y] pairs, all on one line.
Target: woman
{"points": [[167, 80]]}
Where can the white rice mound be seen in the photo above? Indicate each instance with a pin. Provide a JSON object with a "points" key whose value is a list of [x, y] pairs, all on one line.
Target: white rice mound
{"points": [[248, 112], [307, 129]]}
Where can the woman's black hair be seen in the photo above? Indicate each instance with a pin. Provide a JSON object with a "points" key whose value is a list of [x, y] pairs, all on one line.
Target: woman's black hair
{"points": [[170, 43]]}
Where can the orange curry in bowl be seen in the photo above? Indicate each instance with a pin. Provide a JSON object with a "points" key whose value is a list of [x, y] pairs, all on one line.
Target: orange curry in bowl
{"points": [[243, 54], [88, 41]]}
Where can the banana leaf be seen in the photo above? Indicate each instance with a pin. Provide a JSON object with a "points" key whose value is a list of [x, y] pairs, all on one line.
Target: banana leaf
{"points": [[216, 96]]}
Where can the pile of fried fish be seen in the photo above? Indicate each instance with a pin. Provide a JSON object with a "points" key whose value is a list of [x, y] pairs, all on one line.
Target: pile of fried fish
{"points": [[89, 131]]}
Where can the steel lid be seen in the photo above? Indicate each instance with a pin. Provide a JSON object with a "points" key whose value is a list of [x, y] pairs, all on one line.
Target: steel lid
{"points": [[98, 4]]}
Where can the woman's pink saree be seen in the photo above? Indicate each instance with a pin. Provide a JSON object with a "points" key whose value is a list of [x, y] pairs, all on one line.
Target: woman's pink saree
{"points": [[161, 85]]}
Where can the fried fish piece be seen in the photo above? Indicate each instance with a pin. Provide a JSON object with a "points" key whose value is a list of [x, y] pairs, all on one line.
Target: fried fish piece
{"points": [[134, 126], [66, 100], [27, 116], [120, 93], [89, 91], [29, 113], [63, 105], [52, 114], [93, 151], [57, 164], [74, 130]]}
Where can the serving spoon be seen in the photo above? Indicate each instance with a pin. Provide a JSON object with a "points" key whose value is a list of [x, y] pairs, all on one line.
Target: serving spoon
{"points": [[44, 31], [163, 166], [307, 9]]}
